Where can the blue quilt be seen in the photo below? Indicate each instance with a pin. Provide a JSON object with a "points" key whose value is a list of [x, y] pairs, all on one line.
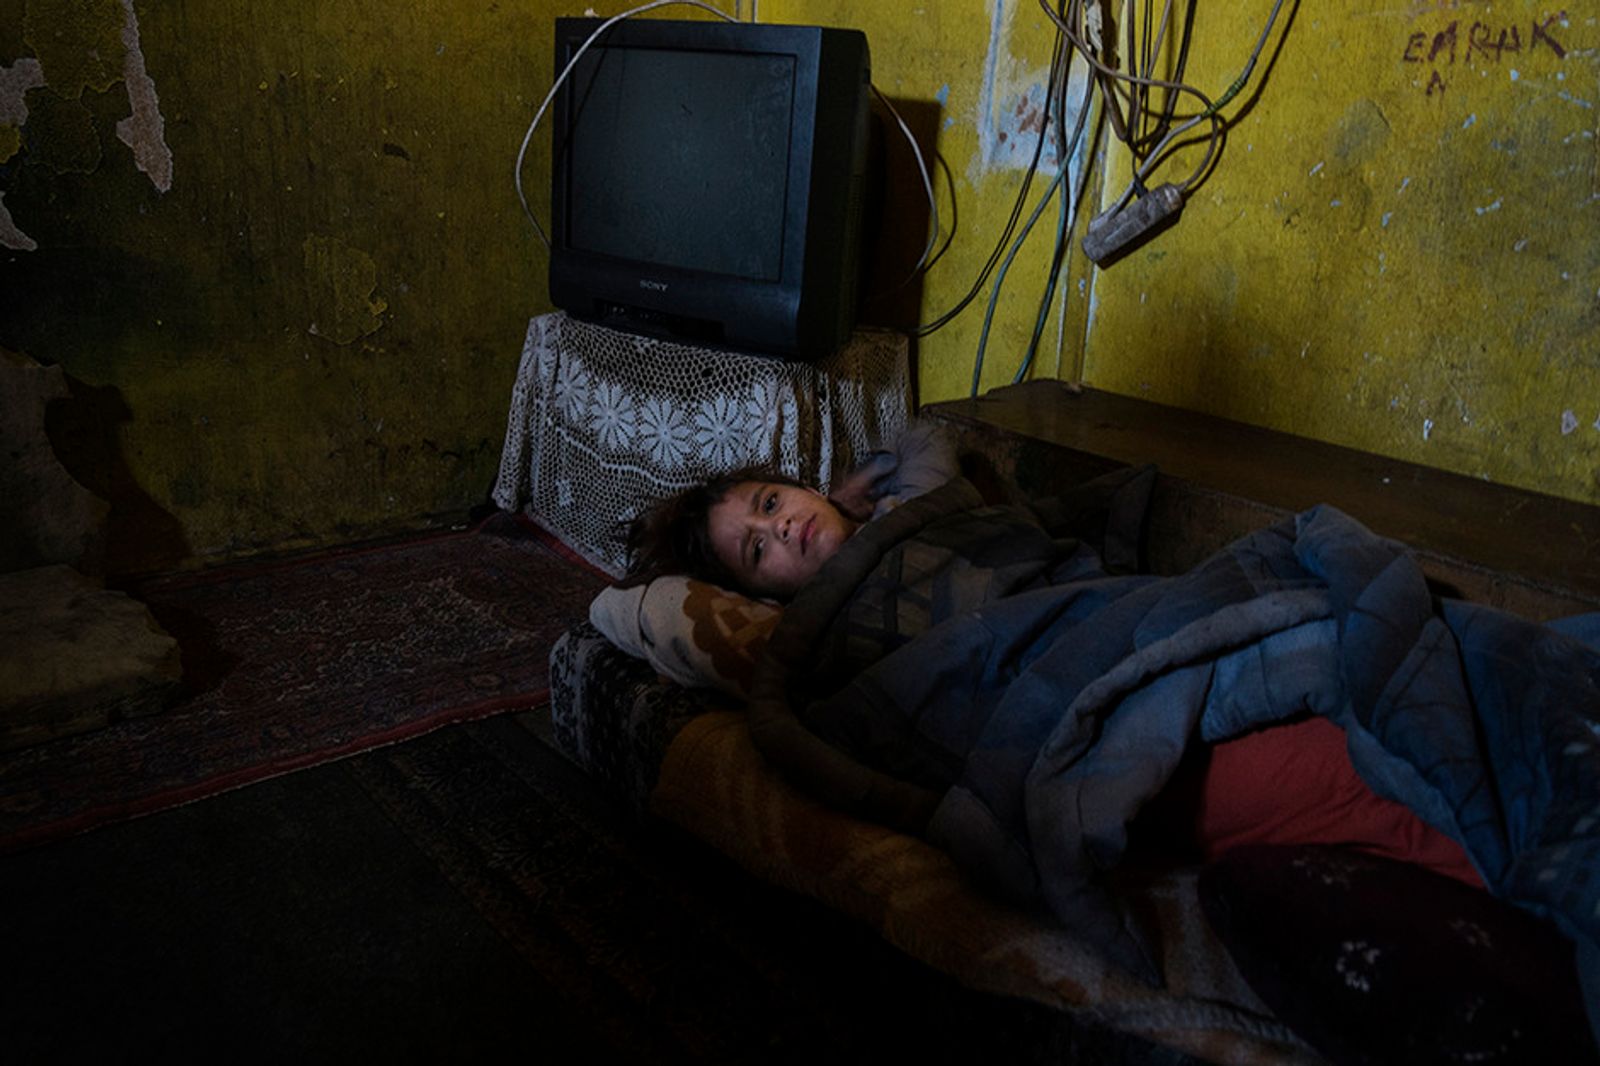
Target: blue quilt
{"points": [[976, 674]]}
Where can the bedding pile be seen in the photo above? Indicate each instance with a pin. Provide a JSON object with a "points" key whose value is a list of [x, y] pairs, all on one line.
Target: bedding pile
{"points": [[993, 679]]}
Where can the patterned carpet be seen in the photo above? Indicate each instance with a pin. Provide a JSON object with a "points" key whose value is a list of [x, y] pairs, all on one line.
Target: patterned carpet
{"points": [[293, 663]]}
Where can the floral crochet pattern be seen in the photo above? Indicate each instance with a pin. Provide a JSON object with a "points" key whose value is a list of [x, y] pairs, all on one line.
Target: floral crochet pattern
{"points": [[603, 424]]}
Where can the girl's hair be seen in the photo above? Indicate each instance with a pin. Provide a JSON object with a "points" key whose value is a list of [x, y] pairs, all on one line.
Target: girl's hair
{"points": [[674, 536]]}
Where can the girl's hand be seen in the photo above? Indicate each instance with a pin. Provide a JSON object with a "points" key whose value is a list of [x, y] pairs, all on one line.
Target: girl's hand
{"points": [[857, 493]]}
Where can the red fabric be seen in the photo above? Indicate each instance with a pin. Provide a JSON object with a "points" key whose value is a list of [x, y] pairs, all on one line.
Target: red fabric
{"points": [[1295, 784]]}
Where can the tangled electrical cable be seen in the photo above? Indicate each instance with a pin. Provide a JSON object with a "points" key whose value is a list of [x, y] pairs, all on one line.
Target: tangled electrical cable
{"points": [[1134, 90], [1149, 134]]}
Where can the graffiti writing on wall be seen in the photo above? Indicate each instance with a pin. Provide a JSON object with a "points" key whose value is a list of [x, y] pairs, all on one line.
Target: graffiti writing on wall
{"points": [[1480, 43]]}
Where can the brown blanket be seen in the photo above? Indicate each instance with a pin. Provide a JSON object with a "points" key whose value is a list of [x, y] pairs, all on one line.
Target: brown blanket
{"points": [[717, 786]]}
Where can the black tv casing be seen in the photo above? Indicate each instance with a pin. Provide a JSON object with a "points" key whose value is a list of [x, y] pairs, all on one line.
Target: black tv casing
{"points": [[809, 310]]}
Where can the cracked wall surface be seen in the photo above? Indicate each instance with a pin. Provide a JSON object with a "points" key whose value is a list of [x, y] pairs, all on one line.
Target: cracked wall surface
{"points": [[144, 130], [79, 47]]}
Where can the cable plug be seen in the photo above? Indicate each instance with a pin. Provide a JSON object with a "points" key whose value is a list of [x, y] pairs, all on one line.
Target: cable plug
{"points": [[1113, 233]]}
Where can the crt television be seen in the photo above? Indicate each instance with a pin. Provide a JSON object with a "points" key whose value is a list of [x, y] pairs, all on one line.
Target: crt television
{"points": [[707, 181]]}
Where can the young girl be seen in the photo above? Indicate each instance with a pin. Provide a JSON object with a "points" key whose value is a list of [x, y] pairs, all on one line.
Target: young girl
{"points": [[753, 530], [765, 533]]}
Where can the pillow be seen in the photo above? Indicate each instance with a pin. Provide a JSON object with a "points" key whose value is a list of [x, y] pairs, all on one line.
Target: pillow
{"points": [[694, 632], [1291, 783], [1371, 960]]}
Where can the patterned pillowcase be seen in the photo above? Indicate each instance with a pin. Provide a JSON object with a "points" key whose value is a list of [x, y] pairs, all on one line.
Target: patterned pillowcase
{"points": [[695, 633], [1371, 960]]}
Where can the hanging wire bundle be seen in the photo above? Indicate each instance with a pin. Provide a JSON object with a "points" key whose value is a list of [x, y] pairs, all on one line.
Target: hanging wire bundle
{"points": [[1122, 51], [1144, 114]]}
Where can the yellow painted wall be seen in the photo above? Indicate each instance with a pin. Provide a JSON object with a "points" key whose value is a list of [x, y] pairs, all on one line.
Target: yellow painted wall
{"points": [[1400, 250], [304, 329], [1383, 258], [280, 252]]}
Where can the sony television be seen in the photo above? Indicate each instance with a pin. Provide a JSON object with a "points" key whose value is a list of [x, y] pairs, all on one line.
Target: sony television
{"points": [[708, 180]]}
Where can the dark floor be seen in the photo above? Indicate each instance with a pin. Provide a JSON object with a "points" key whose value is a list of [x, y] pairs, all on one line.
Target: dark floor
{"points": [[461, 897]]}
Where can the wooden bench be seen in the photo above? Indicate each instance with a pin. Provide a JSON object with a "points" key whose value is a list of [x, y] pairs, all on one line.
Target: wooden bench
{"points": [[1526, 552]]}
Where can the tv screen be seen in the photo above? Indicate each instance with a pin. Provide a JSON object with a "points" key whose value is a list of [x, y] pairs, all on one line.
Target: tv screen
{"points": [[707, 181]]}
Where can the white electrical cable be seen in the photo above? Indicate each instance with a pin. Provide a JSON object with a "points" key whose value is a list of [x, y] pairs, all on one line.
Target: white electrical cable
{"points": [[562, 77], [927, 182], [1211, 112]]}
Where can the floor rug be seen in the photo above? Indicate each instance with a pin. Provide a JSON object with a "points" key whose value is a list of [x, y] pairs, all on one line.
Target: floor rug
{"points": [[296, 662]]}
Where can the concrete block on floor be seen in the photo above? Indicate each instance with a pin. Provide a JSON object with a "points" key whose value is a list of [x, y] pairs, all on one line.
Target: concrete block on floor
{"points": [[75, 656]]}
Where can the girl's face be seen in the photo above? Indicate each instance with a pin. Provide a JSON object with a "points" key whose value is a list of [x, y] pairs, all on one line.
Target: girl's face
{"points": [[773, 537]]}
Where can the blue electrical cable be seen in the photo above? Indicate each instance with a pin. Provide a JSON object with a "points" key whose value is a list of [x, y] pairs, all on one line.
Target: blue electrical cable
{"points": [[1000, 276], [1065, 222], [1056, 255], [1050, 283]]}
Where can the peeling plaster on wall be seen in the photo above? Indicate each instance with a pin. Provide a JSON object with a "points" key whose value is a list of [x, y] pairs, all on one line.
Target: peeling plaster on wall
{"points": [[998, 22], [143, 130], [1012, 103], [10, 236], [71, 43], [340, 280], [15, 81]]}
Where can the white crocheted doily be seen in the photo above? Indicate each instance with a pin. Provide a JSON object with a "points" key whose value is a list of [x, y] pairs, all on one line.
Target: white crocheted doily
{"points": [[604, 423]]}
